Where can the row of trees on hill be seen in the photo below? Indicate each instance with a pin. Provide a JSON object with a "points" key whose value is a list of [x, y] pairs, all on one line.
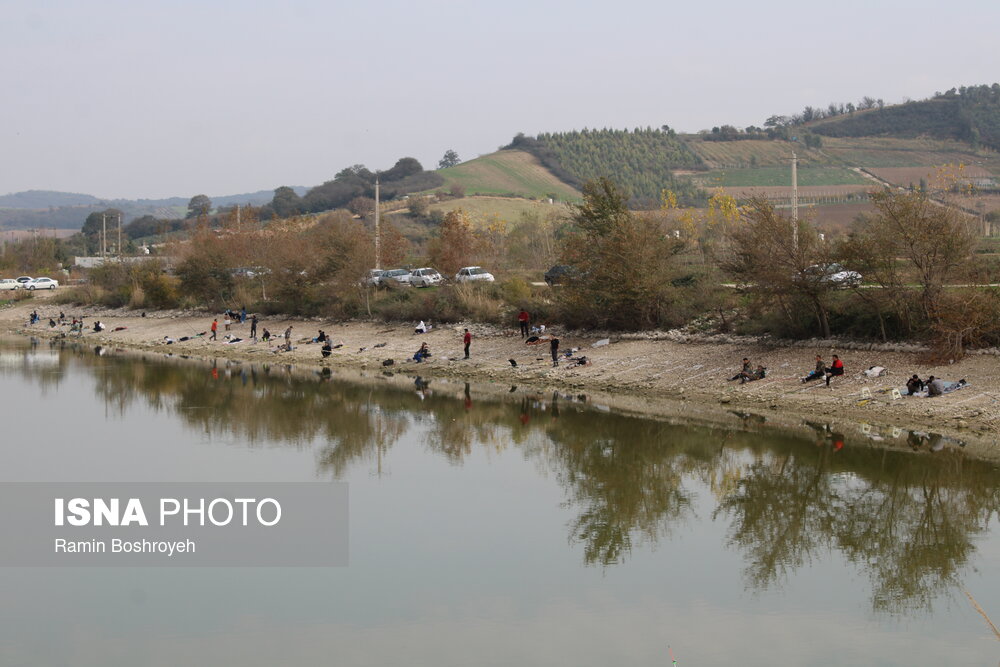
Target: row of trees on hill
{"points": [[969, 113], [641, 160], [352, 183]]}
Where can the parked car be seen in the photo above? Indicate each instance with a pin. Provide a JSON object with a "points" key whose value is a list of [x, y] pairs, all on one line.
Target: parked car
{"points": [[470, 274], [835, 274], [42, 283], [250, 271], [425, 277], [559, 274], [374, 277], [398, 276], [24, 280], [9, 284]]}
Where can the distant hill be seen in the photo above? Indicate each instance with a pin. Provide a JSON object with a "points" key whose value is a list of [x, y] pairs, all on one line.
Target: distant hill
{"points": [[65, 210], [509, 173], [39, 199]]}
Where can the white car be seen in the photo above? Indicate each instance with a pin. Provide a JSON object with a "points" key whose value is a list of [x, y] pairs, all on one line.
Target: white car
{"points": [[374, 277], [470, 274], [9, 284], [835, 274], [42, 283], [425, 277], [398, 276], [23, 281]]}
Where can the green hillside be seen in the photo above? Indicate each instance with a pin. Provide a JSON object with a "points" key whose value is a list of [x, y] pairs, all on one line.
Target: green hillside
{"points": [[509, 173], [967, 114], [642, 161]]}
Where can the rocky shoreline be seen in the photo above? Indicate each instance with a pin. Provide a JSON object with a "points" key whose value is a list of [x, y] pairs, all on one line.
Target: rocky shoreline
{"points": [[660, 374]]}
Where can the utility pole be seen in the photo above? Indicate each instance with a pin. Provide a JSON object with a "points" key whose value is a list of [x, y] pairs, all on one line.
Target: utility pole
{"points": [[119, 235], [795, 200], [378, 248], [237, 217], [104, 234]]}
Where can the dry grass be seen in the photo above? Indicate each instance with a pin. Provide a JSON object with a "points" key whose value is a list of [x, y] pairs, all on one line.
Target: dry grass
{"points": [[932, 175], [481, 209], [508, 172]]}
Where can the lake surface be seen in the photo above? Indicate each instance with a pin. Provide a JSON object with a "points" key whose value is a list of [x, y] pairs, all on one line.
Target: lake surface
{"points": [[488, 529]]}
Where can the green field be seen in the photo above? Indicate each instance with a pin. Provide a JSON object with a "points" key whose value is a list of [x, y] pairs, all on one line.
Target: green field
{"points": [[508, 172], [780, 176]]}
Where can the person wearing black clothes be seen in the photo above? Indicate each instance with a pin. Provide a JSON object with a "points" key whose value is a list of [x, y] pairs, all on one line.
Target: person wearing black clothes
{"points": [[253, 328], [914, 385], [327, 348], [554, 347], [745, 372]]}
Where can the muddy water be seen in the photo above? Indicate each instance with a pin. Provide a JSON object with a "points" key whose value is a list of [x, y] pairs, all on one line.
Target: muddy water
{"points": [[532, 529]]}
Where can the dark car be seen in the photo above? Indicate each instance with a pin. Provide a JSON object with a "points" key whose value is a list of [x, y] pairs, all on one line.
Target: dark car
{"points": [[559, 274]]}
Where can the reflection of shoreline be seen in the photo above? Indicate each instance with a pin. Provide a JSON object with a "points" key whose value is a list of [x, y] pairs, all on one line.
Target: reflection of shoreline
{"points": [[656, 376], [679, 410], [905, 520]]}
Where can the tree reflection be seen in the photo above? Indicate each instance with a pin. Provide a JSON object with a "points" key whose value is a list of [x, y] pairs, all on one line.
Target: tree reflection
{"points": [[906, 520]]}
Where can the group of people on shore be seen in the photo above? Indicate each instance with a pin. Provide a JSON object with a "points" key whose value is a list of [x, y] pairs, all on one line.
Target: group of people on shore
{"points": [[822, 371], [934, 386]]}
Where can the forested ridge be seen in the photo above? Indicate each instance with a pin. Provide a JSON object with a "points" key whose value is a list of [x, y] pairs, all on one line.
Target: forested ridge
{"points": [[969, 114]]}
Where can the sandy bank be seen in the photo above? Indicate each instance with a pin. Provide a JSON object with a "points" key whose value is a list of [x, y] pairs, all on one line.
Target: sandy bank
{"points": [[657, 377]]}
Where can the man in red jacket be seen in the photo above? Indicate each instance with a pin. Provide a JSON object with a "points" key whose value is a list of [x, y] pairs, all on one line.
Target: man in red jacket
{"points": [[215, 329], [836, 368], [467, 339], [522, 319]]}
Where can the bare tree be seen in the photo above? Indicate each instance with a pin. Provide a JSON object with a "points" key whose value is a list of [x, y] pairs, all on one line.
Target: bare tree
{"points": [[775, 258]]}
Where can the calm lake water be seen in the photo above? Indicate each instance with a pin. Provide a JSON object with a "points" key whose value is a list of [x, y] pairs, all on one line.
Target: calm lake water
{"points": [[528, 530]]}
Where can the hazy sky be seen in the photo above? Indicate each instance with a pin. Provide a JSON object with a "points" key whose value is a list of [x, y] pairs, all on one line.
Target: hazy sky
{"points": [[157, 98]]}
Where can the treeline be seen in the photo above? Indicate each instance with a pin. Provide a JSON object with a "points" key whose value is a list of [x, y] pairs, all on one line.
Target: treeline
{"points": [[969, 114], [351, 183], [642, 160]]}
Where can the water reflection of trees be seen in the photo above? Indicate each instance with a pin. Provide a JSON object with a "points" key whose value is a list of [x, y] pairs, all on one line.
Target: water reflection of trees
{"points": [[907, 521]]}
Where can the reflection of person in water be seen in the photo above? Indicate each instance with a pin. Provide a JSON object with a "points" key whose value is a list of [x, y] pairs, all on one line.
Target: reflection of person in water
{"points": [[525, 415], [468, 397], [421, 385], [555, 405]]}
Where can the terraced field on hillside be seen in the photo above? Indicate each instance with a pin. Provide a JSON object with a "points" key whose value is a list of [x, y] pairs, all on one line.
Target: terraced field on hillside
{"points": [[508, 172], [880, 152], [738, 154], [780, 176]]}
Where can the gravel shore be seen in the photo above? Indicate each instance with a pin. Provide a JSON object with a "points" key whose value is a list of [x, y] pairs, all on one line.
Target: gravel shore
{"points": [[659, 374]]}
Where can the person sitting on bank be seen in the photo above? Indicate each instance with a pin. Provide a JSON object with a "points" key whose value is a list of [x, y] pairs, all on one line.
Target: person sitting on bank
{"points": [[327, 348], [818, 373], [914, 385], [745, 372], [422, 328], [836, 368], [422, 353], [321, 337]]}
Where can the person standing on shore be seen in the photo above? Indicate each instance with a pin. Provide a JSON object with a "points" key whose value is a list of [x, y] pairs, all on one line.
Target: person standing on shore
{"points": [[215, 329], [288, 339], [253, 328], [554, 348], [523, 319], [243, 314], [467, 339]]}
